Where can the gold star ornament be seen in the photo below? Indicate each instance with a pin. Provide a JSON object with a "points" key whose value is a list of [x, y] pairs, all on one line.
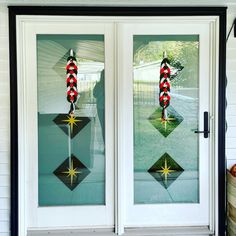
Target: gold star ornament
{"points": [[71, 125], [165, 170], [71, 172], [71, 121]]}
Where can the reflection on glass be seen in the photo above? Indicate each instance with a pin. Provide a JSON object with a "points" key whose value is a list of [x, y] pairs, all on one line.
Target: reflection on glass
{"points": [[71, 158], [166, 104]]}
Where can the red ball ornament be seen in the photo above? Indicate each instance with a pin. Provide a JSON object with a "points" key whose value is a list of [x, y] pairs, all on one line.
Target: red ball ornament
{"points": [[233, 170]]}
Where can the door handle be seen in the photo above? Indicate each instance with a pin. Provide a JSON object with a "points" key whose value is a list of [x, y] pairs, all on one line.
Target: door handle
{"points": [[206, 128]]}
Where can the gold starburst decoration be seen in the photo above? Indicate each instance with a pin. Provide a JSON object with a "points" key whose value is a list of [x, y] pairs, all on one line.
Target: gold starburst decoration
{"points": [[72, 173], [71, 121], [166, 170], [166, 121]]}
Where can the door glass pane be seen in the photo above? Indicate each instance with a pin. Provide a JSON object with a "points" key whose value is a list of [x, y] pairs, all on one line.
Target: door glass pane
{"points": [[71, 158], [166, 104]]}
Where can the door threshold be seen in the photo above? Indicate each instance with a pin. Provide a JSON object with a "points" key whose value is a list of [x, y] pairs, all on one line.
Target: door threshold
{"points": [[71, 232], [169, 231], [162, 231]]}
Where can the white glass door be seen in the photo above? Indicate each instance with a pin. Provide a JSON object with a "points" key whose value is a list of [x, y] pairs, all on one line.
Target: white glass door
{"points": [[69, 158], [114, 117], [165, 72]]}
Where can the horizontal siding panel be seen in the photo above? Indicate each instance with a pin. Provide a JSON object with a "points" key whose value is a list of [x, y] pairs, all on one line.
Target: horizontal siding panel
{"points": [[3, 20], [5, 108], [231, 42], [4, 227], [5, 68], [231, 121], [4, 157], [5, 234], [231, 154], [231, 132], [4, 97], [231, 98], [230, 19], [3, 30], [231, 80], [231, 109], [3, 11], [4, 120], [4, 52], [5, 75], [231, 76], [231, 54], [4, 65], [4, 60], [4, 170], [230, 163], [4, 215], [231, 143], [231, 65], [231, 87], [5, 146], [3, 41], [5, 203], [5, 180], [4, 132], [4, 90], [4, 192]]}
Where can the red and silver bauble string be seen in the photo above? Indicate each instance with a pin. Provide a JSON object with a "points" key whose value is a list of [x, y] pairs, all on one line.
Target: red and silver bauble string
{"points": [[164, 85], [71, 81]]}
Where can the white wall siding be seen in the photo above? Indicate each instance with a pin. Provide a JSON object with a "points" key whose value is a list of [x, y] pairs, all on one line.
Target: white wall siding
{"points": [[4, 124], [231, 94], [5, 111]]}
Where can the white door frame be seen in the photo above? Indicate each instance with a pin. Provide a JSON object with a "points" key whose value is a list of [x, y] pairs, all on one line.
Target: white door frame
{"points": [[213, 22], [124, 101], [169, 211]]}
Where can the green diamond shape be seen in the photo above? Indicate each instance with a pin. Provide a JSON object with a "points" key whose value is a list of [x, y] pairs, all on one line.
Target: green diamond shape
{"points": [[165, 128], [166, 170], [79, 172]]}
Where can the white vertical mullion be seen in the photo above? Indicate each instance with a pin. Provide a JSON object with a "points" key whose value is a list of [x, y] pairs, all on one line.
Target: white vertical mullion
{"points": [[116, 133], [109, 117], [21, 128], [213, 112], [125, 123], [216, 122], [120, 207]]}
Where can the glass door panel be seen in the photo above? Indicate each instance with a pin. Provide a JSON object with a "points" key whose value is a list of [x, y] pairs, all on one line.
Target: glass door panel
{"points": [[71, 142], [70, 117], [166, 112], [166, 81]]}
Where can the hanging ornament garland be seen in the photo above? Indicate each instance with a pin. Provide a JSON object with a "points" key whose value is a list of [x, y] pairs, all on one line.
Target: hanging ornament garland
{"points": [[72, 171], [71, 81], [163, 119], [164, 85], [165, 170]]}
